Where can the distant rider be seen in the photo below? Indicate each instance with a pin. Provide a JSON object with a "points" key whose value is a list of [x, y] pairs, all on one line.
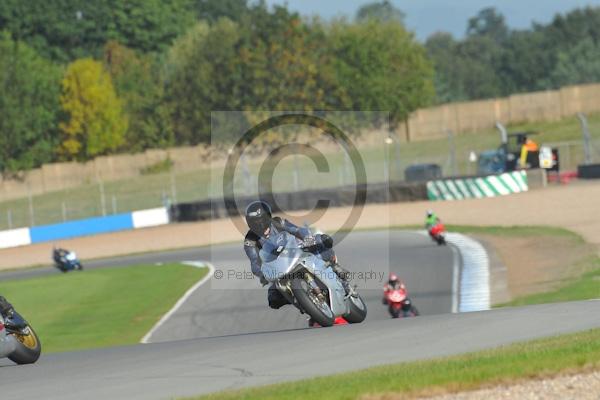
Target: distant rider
{"points": [[431, 220], [59, 254], [393, 283], [262, 225]]}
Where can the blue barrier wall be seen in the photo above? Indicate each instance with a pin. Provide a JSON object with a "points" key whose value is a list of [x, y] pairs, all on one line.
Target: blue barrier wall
{"points": [[83, 227]]}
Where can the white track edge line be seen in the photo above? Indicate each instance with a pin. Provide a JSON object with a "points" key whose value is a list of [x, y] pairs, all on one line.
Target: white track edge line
{"points": [[455, 278], [182, 299]]}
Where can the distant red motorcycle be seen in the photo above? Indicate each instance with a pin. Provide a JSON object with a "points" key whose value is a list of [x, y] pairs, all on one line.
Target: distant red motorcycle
{"points": [[438, 233], [399, 304]]}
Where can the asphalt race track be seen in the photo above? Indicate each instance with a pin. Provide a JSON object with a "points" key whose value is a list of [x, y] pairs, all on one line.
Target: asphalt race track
{"points": [[239, 342]]}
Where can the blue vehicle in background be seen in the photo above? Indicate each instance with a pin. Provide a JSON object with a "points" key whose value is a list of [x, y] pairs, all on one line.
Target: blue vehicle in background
{"points": [[66, 260]]}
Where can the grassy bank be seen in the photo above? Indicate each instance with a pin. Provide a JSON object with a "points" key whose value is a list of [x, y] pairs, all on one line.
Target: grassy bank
{"points": [[525, 360], [520, 231], [584, 287], [101, 307]]}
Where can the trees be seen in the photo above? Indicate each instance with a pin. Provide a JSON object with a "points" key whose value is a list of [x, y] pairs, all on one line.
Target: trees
{"points": [[383, 11], [140, 86], [579, 64], [95, 124], [488, 22], [203, 75], [381, 67], [64, 30], [28, 106], [494, 61]]}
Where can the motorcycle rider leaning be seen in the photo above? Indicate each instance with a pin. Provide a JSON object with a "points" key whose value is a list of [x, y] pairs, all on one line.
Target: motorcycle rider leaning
{"points": [[262, 224], [393, 283], [431, 220]]}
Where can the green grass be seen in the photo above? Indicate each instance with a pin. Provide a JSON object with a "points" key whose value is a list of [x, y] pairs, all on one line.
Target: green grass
{"points": [[525, 360], [149, 190], [584, 287], [519, 231], [100, 307]]}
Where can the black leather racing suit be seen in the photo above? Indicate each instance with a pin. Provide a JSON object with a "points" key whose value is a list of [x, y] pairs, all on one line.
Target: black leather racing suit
{"points": [[253, 243]]}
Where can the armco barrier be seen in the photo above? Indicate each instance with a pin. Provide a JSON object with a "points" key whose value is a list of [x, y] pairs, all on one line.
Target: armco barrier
{"points": [[304, 200], [84, 227], [478, 187]]}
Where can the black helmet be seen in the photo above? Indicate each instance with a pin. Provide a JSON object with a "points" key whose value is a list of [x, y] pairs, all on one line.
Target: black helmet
{"points": [[258, 217]]}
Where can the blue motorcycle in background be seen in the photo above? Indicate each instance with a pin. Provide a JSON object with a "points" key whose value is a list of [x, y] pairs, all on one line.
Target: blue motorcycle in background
{"points": [[66, 260]]}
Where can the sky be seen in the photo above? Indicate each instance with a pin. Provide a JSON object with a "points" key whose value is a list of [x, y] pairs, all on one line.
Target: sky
{"points": [[425, 17]]}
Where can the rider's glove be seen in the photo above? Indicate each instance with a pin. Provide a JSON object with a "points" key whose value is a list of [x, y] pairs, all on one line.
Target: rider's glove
{"points": [[327, 241], [309, 242]]}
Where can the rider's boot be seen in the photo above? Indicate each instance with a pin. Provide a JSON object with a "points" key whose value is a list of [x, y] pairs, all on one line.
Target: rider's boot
{"points": [[8, 312], [343, 274], [6, 309]]}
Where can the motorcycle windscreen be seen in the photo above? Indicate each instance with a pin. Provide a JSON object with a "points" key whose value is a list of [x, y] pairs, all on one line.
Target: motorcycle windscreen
{"points": [[279, 255]]}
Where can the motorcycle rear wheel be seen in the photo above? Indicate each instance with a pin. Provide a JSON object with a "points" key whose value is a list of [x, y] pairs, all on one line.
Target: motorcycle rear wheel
{"points": [[317, 308]]}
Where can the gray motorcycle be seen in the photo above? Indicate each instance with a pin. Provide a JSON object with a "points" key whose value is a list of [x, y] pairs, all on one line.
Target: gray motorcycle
{"points": [[308, 282], [18, 341]]}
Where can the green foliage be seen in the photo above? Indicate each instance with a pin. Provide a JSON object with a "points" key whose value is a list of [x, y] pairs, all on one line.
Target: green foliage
{"points": [[488, 22], [95, 123], [383, 11], [494, 61], [212, 10], [140, 87], [29, 106], [577, 64], [381, 67], [68, 29]]}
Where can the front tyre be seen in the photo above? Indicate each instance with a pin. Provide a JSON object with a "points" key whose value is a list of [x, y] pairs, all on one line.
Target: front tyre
{"points": [[358, 310], [28, 346], [313, 304]]}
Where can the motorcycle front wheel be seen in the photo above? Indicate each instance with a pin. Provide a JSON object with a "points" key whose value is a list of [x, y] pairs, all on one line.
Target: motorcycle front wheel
{"points": [[313, 304], [28, 346]]}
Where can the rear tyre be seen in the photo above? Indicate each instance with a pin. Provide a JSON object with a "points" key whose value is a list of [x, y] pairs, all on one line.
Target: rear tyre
{"points": [[312, 304], [28, 347], [358, 310]]}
